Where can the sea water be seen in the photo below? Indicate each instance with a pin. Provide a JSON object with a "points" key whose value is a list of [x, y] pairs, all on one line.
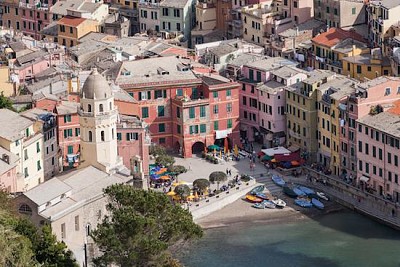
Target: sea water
{"points": [[340, 239]]}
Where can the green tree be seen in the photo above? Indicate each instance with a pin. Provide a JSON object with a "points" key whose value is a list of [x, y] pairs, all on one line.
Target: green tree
{"points": [[201, 184], [141, 227], [217, 177], [5, 102], [165, 160], [177, 170], [157, 150], [183, 191]]}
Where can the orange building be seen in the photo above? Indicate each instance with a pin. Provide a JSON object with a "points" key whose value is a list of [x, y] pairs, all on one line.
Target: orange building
{"points": [[71, 29]]}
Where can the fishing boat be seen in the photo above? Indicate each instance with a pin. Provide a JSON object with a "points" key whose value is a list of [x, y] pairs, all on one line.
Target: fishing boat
{"points": [[263, 196], [298, 191], [269, 204], [322, 196], [279, 203], [257, 189], [258, 206], [304, 203], [306, 190], [288, 190], [318, 204], [278, 180], [253, 199]]}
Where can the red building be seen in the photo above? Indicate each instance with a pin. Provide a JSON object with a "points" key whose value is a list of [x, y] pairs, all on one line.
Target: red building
{"points": [[34, 16], [184, 112]]}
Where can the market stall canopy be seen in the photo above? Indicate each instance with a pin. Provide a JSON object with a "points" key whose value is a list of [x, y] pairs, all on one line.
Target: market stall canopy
{"points": [[276, 150], [213, 147], [295, 156], [364, 178], [266, 158]]}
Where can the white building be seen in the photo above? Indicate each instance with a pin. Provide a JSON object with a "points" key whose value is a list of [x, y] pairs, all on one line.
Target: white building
{"points": [[18, 136]]}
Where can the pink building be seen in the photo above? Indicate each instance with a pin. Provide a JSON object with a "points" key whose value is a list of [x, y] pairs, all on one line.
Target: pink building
{"points": [[382, 91], [378, 153], [133, 143], [8, 171], [254, 74], [272, 102], [34, 16]]}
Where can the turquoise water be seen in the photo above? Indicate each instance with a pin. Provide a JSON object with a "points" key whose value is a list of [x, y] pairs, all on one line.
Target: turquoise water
{"points": [[340, 239]]}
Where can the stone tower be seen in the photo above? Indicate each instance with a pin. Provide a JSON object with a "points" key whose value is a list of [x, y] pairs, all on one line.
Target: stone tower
{"points": [[98, 118]]}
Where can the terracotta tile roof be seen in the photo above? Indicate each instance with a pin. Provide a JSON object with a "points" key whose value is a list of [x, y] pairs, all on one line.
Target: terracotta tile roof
{"points": [[335, 35], [396, 108], [71, 21]]}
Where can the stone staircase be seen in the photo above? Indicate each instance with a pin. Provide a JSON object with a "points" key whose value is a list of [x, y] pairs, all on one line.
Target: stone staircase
{"points": [[265, 179]]}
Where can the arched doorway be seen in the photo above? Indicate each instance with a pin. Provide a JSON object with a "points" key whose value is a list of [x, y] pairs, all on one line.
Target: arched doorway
{"points": [[197, 147], [177, 147]]}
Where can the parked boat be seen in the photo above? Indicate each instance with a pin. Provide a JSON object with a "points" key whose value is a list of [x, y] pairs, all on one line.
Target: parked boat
{"points": [[279, 203], [269, 204], [263, 196], [298, 191], [322, 196], [306, 190], [253, 199], [318, 204], [258, 206], [257, 189], [278, 180], [303, 203], [288, 190]]}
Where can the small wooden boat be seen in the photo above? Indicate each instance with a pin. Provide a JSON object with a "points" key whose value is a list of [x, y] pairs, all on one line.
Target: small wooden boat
{"points": [[269, 204], [288, 190], [279, 203], [278, 180], [318, 204], [258, 206], [257, 189], [306, 190], [303, 203], [298, 191], [322, 196], [253, 199], [262, 196]]}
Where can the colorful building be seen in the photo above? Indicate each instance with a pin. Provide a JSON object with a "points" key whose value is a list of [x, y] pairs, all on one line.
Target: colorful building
{"points": [[340, 13], [71, 29], [10, 180]]}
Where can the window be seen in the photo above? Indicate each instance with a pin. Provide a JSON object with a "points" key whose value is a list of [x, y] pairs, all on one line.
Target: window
{"points": [[26, 174], [353, 11], [380, 153], [178, 26], [70, 149], [251, 74], [396, 160], [358, 69], [145, 112], [132, 136], [295, 4], [89, 108], [102, 136], [244, 101], [258, 73], [161, 128], [387, 91], [192, 112], [25, 209], [203, 128], [229, 123], [38, 165], [160, 110], [178, 112], [77, 223], [202, 111], [327, 9], [177, 13], [194, 129], [161, 140], [179, 92], [37, 147], [77, 131], [67, 118], [119, 136], [229, 107], [62, 28], [90, 136], [165, 12], [335, 11], [215, 109], [68, 133], [25, 154], [369, 68], [216, 125], [178, 129], [63, 231], [228, 92], [71, 30]]}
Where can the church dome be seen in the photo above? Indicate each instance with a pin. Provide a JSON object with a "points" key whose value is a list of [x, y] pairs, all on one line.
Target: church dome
{"points": [[96, 86]]}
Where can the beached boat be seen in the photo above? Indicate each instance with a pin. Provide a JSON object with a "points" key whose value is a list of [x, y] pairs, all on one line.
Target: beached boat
{"points": [[303, 203], [269, 204], [318, 204], [288, 190], [258, 206], [322, 196], [306, 190], [263, 196], [279, 203], [278, 180], [253, 199], [298, 191], [257, 189]]}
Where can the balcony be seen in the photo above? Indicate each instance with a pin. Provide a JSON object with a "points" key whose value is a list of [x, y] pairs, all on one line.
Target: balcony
{"points": [[149, 5], [98, 114], [188, 102], [205, 5]]}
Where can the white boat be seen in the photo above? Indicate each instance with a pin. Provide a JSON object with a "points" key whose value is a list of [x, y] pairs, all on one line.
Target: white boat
{"points": [[279, 203], [322, 196], [269, 204]]}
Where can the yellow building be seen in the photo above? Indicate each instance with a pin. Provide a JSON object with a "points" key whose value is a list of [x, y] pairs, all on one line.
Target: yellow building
{"points": [[367, 66], [71, 29], [301, 112], [328, 99]]}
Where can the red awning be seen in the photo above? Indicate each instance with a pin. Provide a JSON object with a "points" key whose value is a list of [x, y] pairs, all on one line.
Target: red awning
{"points": [[288, 157]]}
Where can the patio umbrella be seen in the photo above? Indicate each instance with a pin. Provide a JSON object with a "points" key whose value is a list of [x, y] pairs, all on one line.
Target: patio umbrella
{"points": [[172, 193], [213, 147], [266, 158], [165, 177], [295, 163], [236, 150]]}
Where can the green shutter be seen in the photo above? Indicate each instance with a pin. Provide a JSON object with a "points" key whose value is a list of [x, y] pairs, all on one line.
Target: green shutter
{"points": [[202, 111], [70, 149], [229, 123], [119, 136], [215, 125], [65, 118], [65, 133], [215, 94], [191, 113], [148, 95], [228, 92], [203, 128]]}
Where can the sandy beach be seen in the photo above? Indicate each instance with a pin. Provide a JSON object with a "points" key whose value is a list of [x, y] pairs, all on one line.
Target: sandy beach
{"points": [[241, 211]]}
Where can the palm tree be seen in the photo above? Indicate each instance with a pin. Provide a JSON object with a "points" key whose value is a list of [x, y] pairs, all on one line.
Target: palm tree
{"points": [[217, 177]]}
